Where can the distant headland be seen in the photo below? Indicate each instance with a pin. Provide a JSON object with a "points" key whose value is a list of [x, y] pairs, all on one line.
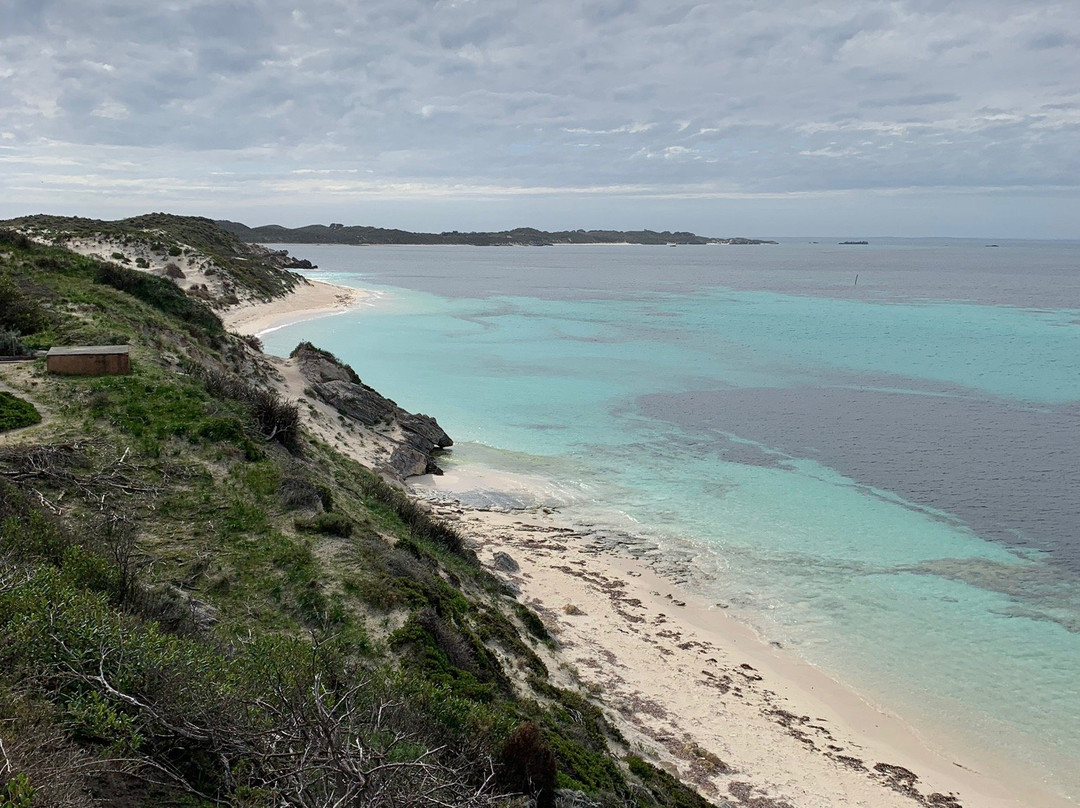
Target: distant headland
{"points": [[518, 237]]}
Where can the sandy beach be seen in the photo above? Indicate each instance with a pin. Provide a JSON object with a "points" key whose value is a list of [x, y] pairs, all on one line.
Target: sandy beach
{"points": [[698, 690], [307, 302], [689, 686]]}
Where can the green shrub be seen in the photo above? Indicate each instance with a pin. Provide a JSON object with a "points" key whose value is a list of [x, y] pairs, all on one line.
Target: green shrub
{"points": [[275, 418], [161, 294], [16, 413], [220, 429], [18, 793], [18, 311], [532, 622], [527, 765], [420, 522], [663, 787], [12, 238], [330, 524], [26, 531], [11, 343], [449, 656]]}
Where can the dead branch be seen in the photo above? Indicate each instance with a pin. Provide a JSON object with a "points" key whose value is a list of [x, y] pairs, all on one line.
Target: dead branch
{"points": [[70, 466]]}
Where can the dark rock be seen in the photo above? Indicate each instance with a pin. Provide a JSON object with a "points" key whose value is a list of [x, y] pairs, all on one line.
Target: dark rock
{"points": [[425, 427], [409, 462], [336, 384], [322, 366], [504, 563]]}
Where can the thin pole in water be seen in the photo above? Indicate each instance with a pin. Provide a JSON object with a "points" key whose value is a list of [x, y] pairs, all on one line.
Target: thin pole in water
{"points": [[856, 280]]}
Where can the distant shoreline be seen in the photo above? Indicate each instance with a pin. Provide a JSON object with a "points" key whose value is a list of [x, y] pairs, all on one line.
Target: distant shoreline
{"points": [[359, 235]]}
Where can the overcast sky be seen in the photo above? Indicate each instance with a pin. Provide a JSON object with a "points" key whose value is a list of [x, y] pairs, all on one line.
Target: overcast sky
{"points": [[851, 117]]}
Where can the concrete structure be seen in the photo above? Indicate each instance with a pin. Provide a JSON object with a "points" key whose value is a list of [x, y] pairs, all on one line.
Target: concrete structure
{"points": [[90, 360]]}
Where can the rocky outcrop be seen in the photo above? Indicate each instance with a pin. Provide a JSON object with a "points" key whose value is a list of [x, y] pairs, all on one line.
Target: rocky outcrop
{"points": [[417, 437]]}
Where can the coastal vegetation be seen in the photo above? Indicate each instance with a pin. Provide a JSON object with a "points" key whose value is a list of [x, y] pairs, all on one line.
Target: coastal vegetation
{"points": [[253, 272], [202, 603], [16, 413]]}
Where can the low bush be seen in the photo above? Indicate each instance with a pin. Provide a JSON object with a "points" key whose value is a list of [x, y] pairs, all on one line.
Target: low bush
{"points": [[276, 418], [229, 430], [16, 413], [420, 522], [161, 294], [663, 787], [330, 524], [13, 238], [11, 343], [450, 656], [527, 765], [532, 622], [19, 311]]}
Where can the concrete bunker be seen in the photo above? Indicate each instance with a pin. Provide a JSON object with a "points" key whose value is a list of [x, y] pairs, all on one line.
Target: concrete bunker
{"points": [[89, 360]]}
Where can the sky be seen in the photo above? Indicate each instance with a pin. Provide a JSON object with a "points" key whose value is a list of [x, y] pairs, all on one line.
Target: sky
{"points": [[755, 118]]}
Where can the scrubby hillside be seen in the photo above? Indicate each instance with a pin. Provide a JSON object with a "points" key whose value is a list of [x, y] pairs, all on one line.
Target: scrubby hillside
{"points": [[193, 251], [201, 603]]}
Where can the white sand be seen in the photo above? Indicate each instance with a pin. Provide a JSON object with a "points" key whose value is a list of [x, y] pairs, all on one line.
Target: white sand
{"points": [[307, 302], [685, 682]]}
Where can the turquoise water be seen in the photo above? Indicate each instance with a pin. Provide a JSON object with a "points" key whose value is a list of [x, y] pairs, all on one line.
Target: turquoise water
{"points": [[880, 477]]}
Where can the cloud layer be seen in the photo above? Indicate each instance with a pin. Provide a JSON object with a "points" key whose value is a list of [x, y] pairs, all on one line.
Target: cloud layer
{"points": [[189, 103]]}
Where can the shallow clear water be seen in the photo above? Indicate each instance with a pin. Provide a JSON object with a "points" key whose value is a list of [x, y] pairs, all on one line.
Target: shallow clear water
{"points": [[881, 475]]}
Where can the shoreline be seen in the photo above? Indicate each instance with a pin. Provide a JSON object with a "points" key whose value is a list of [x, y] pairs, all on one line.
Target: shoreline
{"points": [[308, 301], [688, 685], [688, 681]]}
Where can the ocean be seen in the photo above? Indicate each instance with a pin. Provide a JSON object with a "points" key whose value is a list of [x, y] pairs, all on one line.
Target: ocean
{"points": [[871, 454]]}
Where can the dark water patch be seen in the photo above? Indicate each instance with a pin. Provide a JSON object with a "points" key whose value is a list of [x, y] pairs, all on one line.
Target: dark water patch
{"points": [[1008, 471], [1039, 591], [749, 454]]}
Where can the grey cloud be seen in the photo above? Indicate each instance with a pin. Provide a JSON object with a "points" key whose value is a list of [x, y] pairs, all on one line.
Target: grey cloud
{"points": [[24, 17], [863, 75], [760, 43], [919, 100], [236, 22], [940, 45], [601, 11], [796, 97], [475, 32], [1052, 39]]}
